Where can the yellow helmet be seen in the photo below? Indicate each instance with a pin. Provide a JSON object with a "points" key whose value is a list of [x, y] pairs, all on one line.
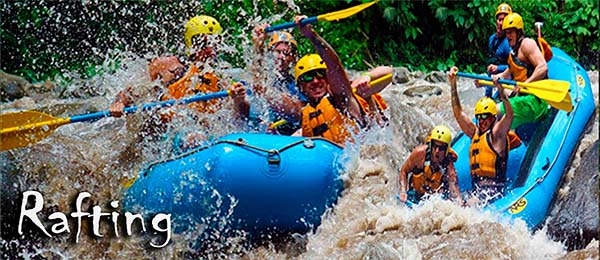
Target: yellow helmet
{"points": [[503, 8], [513, 20], [308, 63], [485, 105], [442, 134], [202, 24], [282, 37]]}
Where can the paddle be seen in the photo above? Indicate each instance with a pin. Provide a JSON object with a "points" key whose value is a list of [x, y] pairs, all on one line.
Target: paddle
{"points": [[547, 89], [564, 104], [333, 16], [20, 129]]}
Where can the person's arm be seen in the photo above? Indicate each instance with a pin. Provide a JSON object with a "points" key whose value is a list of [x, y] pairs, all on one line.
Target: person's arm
{"points": [[535, 57], [258, 42], [504, 53], [286, 104], [500, 130], [411, 162], [122, 100], [463, 120], [339, 85], [453, 184], [362, 84], [502, 68], [241, 105]]}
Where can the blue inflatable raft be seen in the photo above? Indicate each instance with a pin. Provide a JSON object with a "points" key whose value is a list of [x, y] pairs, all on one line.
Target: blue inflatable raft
{"points": [[535, 169], [253, 182]]}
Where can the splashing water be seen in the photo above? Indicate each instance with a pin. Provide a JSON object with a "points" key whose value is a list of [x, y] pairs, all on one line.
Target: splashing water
{"points": [[366, 223]]}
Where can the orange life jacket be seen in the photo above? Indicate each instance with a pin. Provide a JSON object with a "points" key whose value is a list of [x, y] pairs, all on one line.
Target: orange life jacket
{"points": [[326, 121], [485, 161], [521, 70], [545, 48], [379, 104], [425, 180], [193, 84]]}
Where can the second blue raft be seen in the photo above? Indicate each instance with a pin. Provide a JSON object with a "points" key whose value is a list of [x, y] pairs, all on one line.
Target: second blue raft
{"points": [[535, 169]]}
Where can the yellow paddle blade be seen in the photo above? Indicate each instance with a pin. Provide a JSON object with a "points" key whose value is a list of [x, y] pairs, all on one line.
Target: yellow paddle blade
{"points": [[20, 129], [547, 89], [341, 14], [564, 104]]}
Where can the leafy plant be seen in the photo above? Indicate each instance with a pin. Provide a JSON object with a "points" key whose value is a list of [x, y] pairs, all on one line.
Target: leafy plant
{"points": [[41, 39]]}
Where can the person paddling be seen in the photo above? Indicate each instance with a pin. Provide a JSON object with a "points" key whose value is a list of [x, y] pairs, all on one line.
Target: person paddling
{"points": [[429, 169]]}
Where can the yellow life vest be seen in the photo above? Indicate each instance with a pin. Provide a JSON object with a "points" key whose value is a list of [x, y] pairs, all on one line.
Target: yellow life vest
{"points": [[425, 180], [485, 161], [207, 83], [326, 121]]}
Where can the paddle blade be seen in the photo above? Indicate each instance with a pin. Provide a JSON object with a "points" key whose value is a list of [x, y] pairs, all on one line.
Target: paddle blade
{"points": [[20, 129], [547, 89], [564, 104], [341, 14]]}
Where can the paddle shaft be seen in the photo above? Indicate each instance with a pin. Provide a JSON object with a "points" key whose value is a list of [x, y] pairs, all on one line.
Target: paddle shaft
{"points": [[333, 16], [288, 25], [98, 115], [503, 81], [150, 106]]}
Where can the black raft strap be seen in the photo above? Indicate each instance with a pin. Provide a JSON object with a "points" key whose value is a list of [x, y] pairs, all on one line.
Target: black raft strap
{"points": [[314, 114], [319, 130]]}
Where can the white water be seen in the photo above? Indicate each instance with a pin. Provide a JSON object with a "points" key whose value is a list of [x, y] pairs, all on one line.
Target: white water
{"points": [[366, 223]]}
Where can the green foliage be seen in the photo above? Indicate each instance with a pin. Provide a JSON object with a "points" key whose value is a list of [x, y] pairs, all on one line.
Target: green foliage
{"points": [[40, 39]]}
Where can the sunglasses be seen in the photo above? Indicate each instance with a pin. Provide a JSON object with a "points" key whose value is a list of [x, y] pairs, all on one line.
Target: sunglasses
{"points": [[441, 147], [483, 116], [311, 75]]}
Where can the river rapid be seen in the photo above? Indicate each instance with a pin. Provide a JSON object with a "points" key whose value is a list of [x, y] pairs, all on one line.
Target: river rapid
{"points": [[366, 223]]}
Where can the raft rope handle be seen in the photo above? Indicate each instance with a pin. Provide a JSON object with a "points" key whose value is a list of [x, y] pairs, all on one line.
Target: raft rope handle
{"points": [[540, 179], [147, 169], [272, 151]]}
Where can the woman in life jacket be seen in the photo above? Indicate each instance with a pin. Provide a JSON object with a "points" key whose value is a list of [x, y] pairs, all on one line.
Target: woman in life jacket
{"points": [[526, 63], [430, 169]]}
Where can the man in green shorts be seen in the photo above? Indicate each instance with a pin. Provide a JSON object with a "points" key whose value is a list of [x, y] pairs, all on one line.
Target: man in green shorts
{"points": [[526, 63]]}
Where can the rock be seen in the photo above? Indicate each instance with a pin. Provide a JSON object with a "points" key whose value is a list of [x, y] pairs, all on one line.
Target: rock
{"points": [[418, 75], [12, 87], [576, 219], [423, 91], [401, 75], [436, 77]]}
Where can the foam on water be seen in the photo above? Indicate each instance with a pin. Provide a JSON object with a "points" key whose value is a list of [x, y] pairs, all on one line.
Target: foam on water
{"points": [[366, 223]]}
